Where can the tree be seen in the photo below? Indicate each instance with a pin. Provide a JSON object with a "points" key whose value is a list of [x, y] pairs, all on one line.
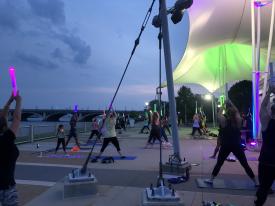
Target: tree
{"points": [[241, 95], [185, 104]]}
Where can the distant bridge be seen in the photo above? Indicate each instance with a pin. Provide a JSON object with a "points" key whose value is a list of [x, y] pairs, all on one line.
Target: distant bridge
{"points": [[55, 114]]}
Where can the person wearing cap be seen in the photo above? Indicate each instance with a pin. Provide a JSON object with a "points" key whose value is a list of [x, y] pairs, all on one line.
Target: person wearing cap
{"points": [[9, 152], [266, 168]]}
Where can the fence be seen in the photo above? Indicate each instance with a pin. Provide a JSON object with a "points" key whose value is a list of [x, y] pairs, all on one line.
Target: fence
{"points": [[34, 132]]}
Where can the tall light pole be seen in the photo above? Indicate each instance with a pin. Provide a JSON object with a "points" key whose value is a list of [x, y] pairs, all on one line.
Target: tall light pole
{"points": [[211, 97], [169, 78]]}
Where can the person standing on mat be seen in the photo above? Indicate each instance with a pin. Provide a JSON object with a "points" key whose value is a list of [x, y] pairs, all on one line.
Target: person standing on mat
{"points": [[60, 138], [155, 132], [231, 141], [94, 131], [196, 125], [9, 152], [266, 166], [109, 133], [72, 132]]}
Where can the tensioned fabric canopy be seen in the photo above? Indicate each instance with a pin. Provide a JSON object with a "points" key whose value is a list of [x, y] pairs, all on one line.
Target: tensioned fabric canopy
{"points": [[219, 48]]}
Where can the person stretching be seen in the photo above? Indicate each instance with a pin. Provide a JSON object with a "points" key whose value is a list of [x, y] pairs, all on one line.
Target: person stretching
{"points": [[9, 152], [155, 132], [266, 166], [231, 141], [94, 131], [72, 132], [60, 138], [109, 133]]}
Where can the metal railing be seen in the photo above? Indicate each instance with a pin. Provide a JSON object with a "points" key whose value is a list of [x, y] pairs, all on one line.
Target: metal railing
{"points": [[36, 132]]}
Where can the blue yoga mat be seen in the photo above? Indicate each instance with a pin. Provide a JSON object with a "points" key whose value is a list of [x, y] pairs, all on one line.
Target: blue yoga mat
{"points": [[91, 143], [227, 184], [119, 158], [62, 156]]}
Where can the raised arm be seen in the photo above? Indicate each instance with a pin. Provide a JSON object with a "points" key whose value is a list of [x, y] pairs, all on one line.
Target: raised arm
{"points": [[17, 114], [265, 115], [7, 107], [221, 117]]}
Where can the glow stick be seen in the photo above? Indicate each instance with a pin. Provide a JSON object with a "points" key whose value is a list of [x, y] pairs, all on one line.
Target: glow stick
{"points": [[13, 81], [75, 108]]}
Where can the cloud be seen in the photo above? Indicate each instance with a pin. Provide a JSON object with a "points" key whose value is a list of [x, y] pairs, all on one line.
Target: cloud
{"points": [[9, 18], [35, 61], [57, 53], [81, 49], [52, 10]]}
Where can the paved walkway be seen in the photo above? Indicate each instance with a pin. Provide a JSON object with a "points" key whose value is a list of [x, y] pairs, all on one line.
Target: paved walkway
{"points": [[36, 173]]}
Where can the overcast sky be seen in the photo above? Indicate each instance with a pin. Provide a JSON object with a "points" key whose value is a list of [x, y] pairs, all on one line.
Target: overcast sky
{"points": [[74, 52]]}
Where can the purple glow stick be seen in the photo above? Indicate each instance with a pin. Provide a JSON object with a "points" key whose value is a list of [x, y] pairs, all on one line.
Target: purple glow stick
{"points": [[75, 108], [261, 3], [13, 81]]}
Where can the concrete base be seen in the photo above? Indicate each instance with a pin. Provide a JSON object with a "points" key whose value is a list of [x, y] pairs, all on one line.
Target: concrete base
{"points": [[77, 189], [182, 169], [148, 202]]}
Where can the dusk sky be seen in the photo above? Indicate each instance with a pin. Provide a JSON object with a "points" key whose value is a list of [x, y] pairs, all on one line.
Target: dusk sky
{"points": [[74, 52]]}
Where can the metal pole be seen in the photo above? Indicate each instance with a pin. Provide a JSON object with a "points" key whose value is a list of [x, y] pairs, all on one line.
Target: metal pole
{"points": [[196, 107], [213, 111], [269, 49], [253, 60], [257, 75], [185, 117], [169, 78]]}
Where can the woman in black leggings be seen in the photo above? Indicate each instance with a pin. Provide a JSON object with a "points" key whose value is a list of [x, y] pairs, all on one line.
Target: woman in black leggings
{"points": [[155, 132], [231, 141]]}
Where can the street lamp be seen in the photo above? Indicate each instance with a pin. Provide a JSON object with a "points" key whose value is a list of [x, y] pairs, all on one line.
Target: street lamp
{"points": [[209, 97]]}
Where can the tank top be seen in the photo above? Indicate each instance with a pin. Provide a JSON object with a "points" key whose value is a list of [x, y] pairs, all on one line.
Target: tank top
{"points": [[267, 155], [230, 135]]}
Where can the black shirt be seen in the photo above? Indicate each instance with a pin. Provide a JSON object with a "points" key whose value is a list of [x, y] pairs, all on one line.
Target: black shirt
{"points": [[8, 156], [267, 155], [230, 135], [155, 131], [73, 124]]}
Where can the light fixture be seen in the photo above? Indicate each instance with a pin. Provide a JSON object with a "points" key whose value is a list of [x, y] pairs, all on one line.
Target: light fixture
{"points": [[208, 97], [177, 16], [156, 22], [179, 7], [183, 4]]}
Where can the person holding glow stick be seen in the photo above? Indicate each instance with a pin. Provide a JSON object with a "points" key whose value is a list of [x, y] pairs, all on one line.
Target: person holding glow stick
{"points": [[109, 133], [9, 152], [230, 125], [13, 81]]}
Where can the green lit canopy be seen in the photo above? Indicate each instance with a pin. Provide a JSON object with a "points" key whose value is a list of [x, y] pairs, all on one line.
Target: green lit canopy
{"points": [[219, 45]]}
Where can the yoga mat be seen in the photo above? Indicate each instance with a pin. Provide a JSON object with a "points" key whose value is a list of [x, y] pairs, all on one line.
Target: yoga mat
{"points": [[118, 157], [91, 143], [63, 156], [81, 148], [227, 184]]}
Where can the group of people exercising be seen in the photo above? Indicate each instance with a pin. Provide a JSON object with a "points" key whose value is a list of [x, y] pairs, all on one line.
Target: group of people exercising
{"points": [[230, 125]]}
